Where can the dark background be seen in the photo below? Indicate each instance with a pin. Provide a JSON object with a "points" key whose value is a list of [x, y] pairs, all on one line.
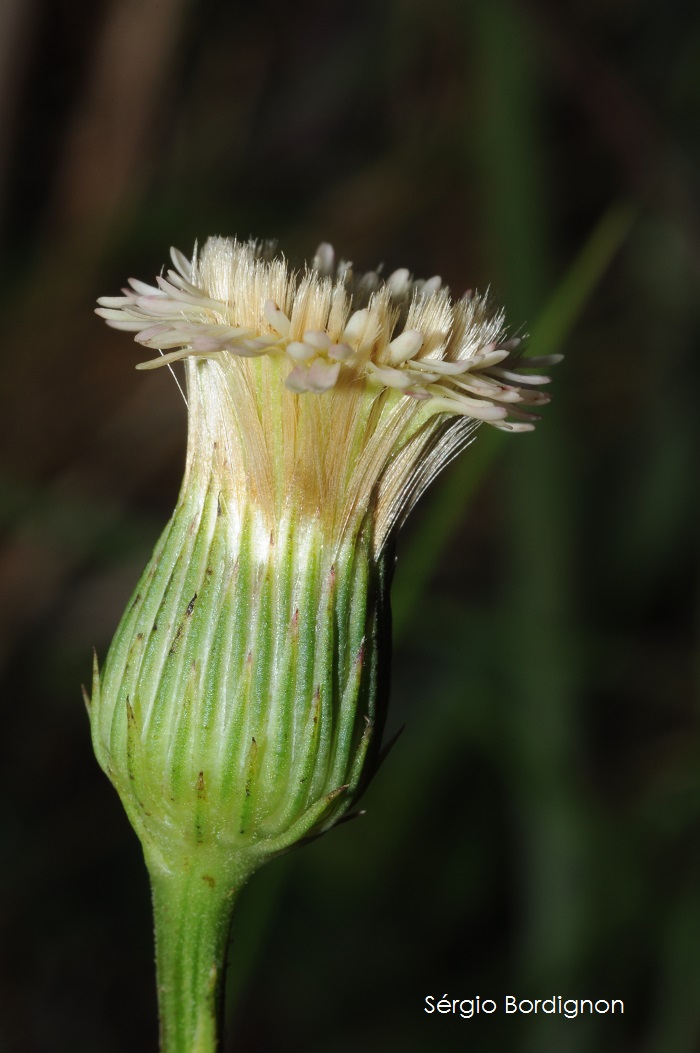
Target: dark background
{"points": [[535, 829]]}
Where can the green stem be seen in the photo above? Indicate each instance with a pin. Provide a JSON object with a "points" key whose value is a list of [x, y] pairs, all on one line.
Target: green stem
{"points": [[192, 910]]}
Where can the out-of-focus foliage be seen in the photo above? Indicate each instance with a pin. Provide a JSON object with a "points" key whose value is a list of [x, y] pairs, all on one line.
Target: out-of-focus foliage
{"points": [[535, 829]]}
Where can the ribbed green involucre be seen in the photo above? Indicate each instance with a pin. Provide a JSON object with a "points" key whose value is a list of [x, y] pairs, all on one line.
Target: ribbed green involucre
{"points": [[234, 714]]}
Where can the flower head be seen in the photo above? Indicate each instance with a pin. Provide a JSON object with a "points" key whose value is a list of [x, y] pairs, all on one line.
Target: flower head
{"points": [[240, 707], [344, 390]]}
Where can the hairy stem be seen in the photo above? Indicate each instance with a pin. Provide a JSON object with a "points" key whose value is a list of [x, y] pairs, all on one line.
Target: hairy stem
{"points": [[192, 909]]}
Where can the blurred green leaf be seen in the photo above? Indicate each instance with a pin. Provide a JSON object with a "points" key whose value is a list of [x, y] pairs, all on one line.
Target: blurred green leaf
{"points": [[569, 299], [448, 501]]}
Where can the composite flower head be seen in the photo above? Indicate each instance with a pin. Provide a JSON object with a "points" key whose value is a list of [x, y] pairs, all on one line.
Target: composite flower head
{"points": [[335, 391], [242, 699], [240, 707]]}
